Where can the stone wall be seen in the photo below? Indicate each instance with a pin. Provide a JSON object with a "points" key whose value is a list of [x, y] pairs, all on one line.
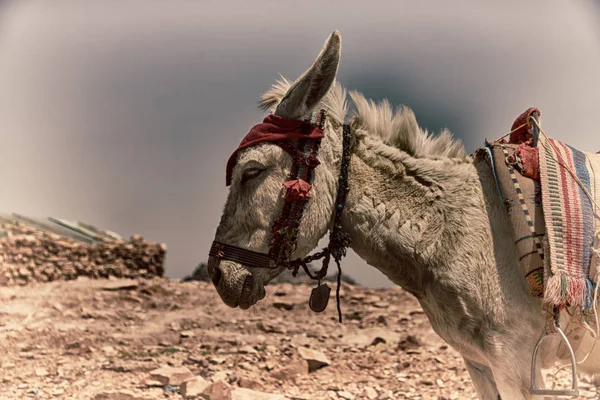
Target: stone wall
{"points": [[30, 254]]}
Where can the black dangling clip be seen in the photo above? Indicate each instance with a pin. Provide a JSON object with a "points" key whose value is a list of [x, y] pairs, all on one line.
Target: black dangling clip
{"points": [[319, 297]]}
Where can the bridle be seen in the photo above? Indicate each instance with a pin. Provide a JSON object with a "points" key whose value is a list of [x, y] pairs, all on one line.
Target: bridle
{"points": [[284, 231]]}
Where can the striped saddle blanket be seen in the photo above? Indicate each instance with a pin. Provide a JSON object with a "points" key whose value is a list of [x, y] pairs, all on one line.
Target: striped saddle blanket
{"points": [[551, 192]]}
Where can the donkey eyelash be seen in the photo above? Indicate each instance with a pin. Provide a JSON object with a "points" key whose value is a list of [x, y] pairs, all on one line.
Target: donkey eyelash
{"points": [[251, 173]]}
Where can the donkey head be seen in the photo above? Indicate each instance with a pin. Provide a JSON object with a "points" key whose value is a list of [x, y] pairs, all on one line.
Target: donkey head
{"points": [[256, 195]]}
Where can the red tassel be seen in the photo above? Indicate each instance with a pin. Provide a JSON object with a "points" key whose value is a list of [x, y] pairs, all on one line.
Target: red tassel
{"points": [[297, 189]]}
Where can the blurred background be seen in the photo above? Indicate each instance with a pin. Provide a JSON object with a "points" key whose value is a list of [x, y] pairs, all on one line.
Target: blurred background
{"points": [[122, 114]]}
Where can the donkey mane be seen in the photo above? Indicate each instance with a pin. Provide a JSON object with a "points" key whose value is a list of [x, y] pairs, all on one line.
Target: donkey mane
{"points": [[398, 129]]}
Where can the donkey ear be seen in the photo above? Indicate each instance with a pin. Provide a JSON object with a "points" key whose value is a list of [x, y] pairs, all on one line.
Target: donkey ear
{"points": [[311, 87]]}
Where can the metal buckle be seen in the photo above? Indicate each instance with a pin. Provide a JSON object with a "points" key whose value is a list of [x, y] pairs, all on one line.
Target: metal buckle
{"points": [[574, 391]]}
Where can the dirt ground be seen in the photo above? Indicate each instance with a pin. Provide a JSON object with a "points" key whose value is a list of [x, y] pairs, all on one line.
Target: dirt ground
{"points": [[105, 340]]}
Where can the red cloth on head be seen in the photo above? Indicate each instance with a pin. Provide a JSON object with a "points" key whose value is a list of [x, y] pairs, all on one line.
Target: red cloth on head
{"points": [[273, 129]]}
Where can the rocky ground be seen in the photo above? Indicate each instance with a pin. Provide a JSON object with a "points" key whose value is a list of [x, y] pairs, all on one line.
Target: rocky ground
{"points": [[155, 339]]}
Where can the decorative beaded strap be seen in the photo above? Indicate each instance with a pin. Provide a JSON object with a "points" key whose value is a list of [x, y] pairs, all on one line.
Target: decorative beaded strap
{"points": [[285, 230]]}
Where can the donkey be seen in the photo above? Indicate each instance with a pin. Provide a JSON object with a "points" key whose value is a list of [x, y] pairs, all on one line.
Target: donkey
{"points": [[418, 208]]}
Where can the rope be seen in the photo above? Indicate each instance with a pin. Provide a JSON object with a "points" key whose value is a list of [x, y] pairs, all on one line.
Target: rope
{"points": [[514, 130], [493, 163]]}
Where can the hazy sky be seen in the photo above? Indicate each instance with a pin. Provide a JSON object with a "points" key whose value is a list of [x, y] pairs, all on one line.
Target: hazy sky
{"points": [[123, 114]]}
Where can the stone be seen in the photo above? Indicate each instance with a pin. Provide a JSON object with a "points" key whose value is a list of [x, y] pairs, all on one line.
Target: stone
{"points": [[381, 304], [168, 339], [249, 394], [248, 383], [109, 350], [370, 393], [270, 365], [153, 383], [315, 358], [292, 369], [220, 376], [247, 350], [301, 340], [367, 337], [270, 328], [120, 284], [120, 395], [217, 391], [345, 395], [409, 343], [283, 305], [171, 375], [216, 360], [193, 387]]}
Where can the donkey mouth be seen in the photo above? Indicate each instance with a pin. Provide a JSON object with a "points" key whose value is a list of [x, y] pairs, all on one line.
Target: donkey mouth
{"points": [[235, 284], [251, 293]]}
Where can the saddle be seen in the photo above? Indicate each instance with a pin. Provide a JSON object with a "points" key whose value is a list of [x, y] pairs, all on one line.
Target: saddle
{"points": [[551, 192]]}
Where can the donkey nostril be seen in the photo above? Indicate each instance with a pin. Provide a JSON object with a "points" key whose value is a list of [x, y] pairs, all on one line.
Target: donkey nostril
{"points": [[216, 276]]}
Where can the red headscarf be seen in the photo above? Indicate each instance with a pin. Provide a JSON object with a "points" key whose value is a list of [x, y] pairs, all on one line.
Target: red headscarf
{"points": [[274, 129]]}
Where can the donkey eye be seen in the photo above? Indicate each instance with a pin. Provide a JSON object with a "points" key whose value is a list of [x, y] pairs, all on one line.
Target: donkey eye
{"points": [[251, 173]]}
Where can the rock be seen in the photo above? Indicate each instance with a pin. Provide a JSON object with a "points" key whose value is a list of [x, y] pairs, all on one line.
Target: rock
{"points": [[216, 359], [168, 338], [370, 393], [292, 369], [345, 395], [283, 305], [249, 394], [109, 350], [270, 328], [187, 334], [248, 383], [193, 387], [120, 395], [370, 336], [371, 299], [171, 375], [220, 376], [301, 340], [217, 391], [41, 372], [409, 343], [315, 358], [270, 364], [247, 350], [153, 383], [381, 304], [120, 284]]}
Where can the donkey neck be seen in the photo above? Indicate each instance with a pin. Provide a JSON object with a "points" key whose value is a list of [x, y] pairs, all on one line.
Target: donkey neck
{"points": [[404, 212]]}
